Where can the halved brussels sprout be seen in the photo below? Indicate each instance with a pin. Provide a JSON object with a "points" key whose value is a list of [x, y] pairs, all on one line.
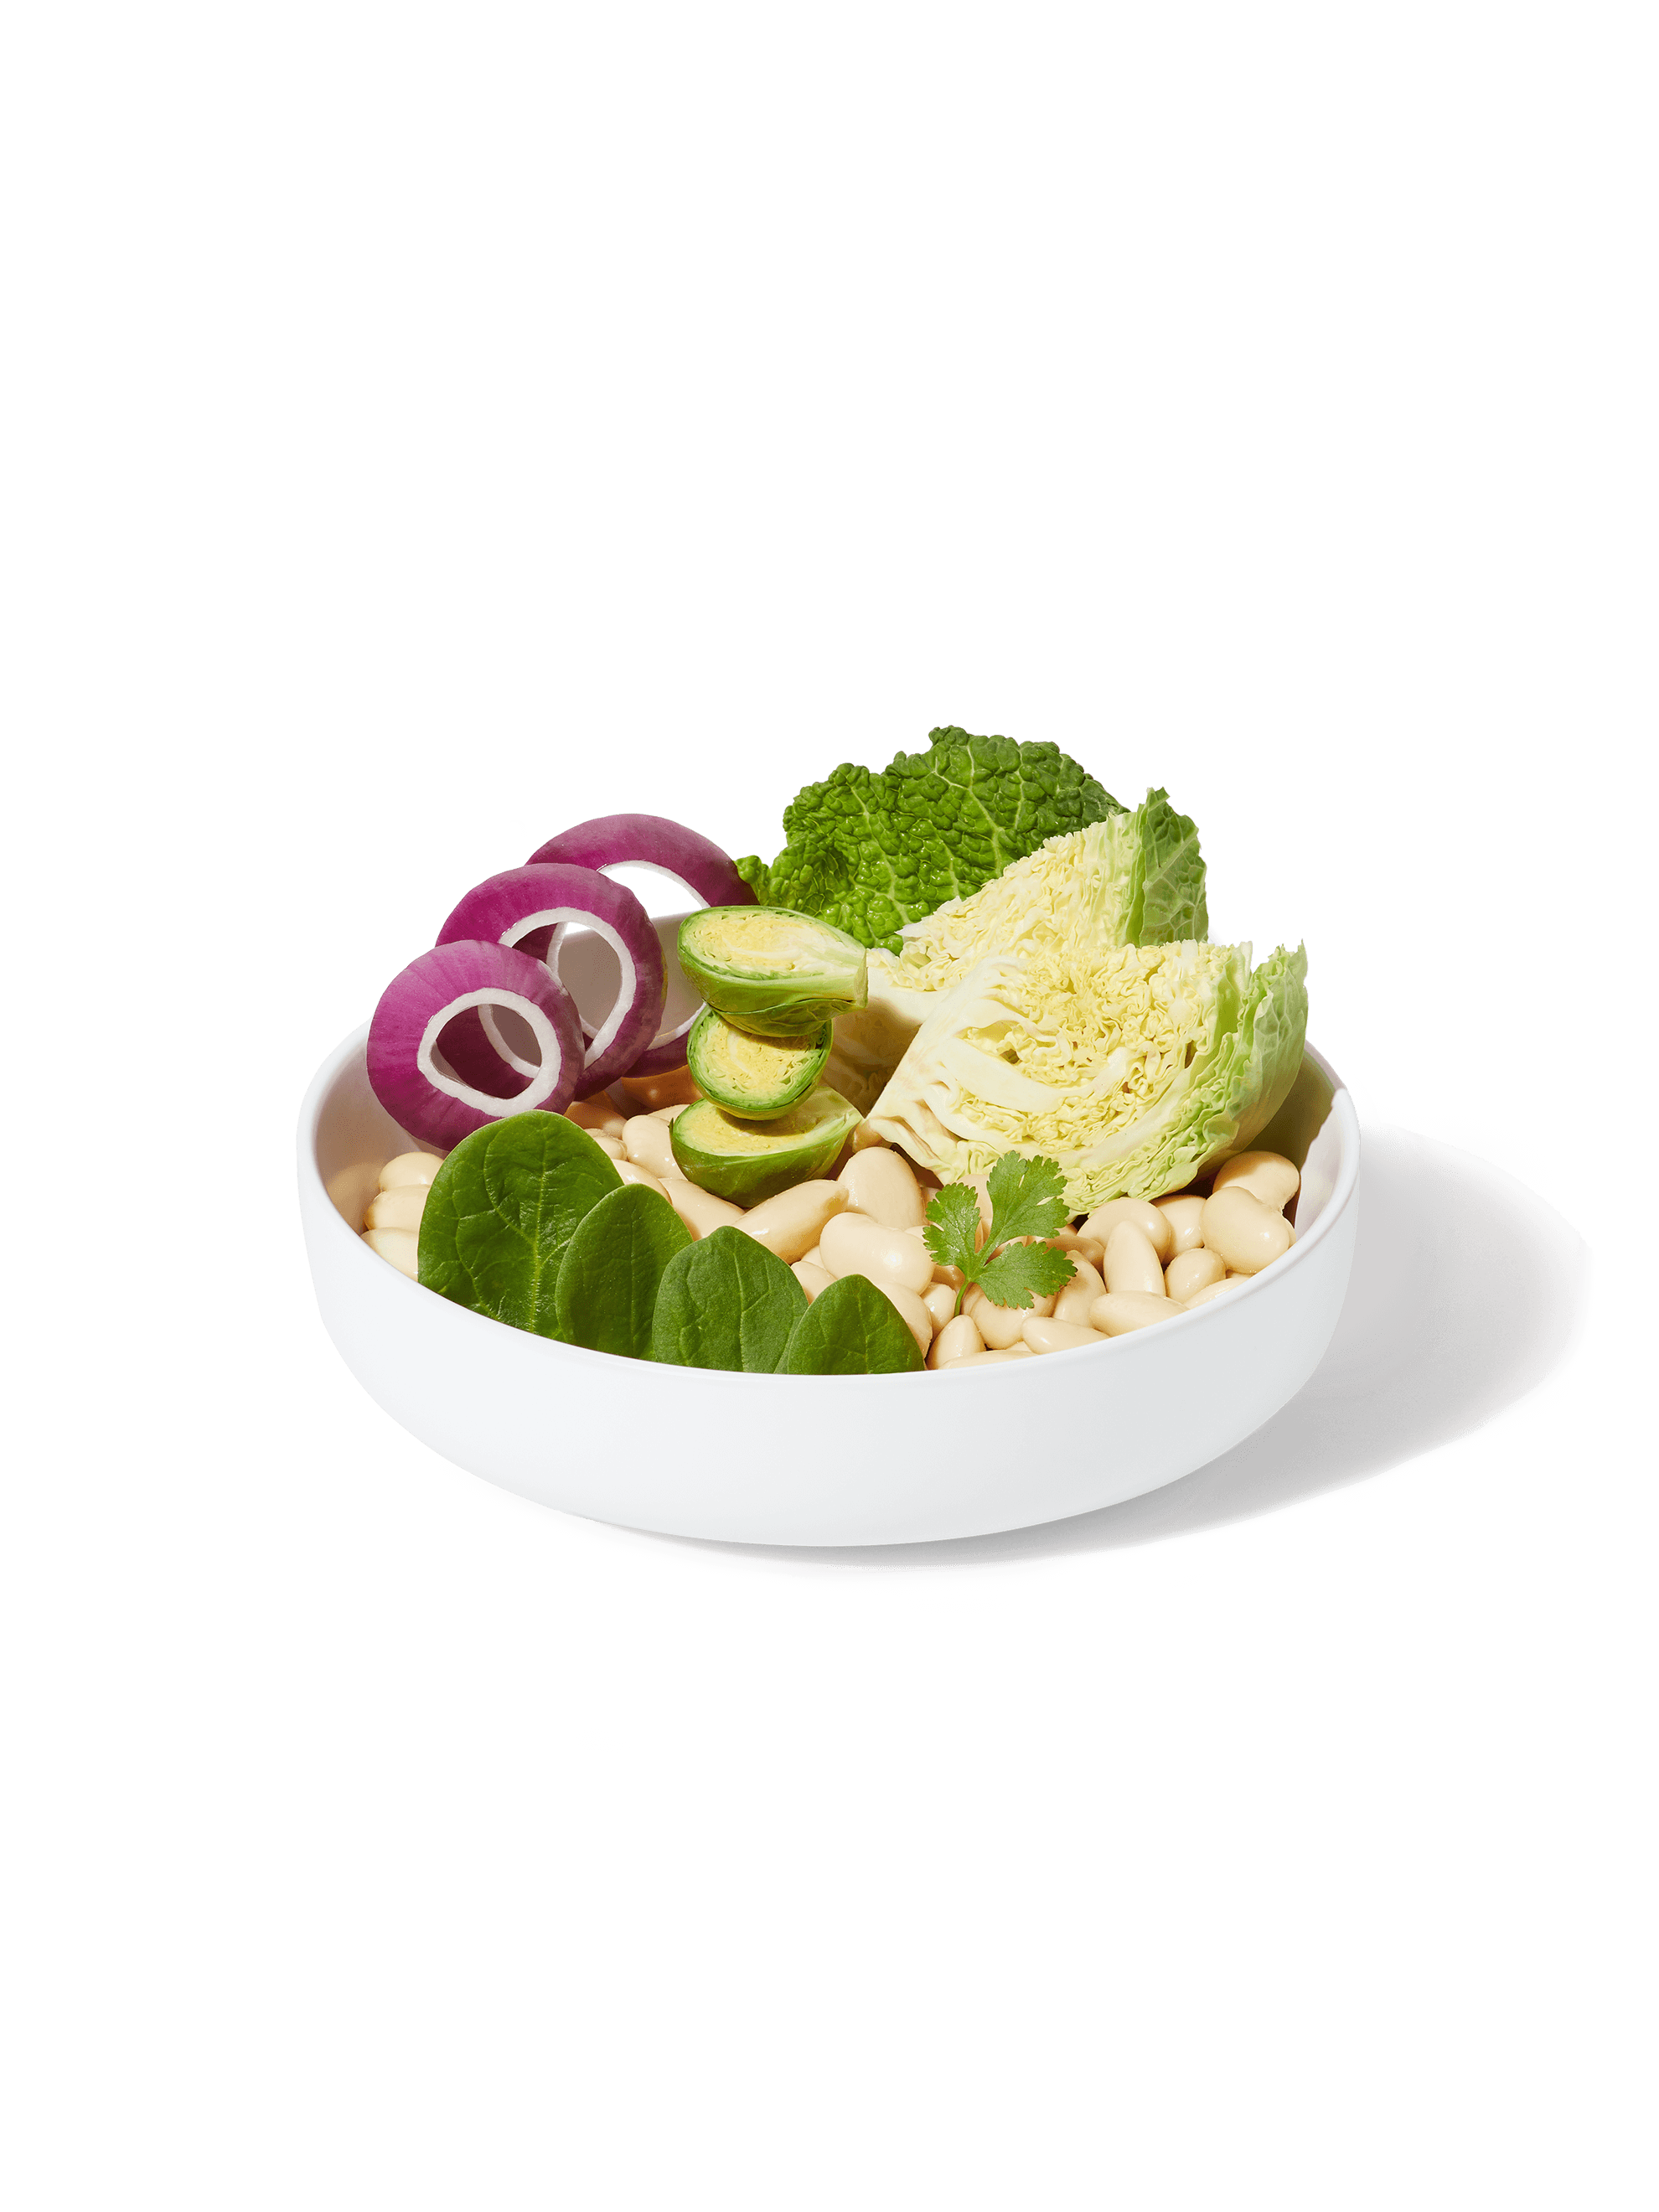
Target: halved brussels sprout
{"points": [[755, 1076], [772, 971], [748, 1161]]}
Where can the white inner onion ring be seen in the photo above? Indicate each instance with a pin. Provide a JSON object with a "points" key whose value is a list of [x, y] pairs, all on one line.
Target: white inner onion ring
{"points": [[544, 1076], [560, 918], [698, 903]]}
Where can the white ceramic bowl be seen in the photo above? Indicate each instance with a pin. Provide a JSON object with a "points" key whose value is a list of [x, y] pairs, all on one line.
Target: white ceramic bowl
{"points": [[840, 1459]]}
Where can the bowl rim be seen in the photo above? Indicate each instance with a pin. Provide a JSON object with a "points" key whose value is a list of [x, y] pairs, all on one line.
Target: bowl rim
{"points": [[314, 1196]]}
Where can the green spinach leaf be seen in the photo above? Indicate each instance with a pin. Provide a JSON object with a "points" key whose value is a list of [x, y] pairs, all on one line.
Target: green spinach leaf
{"points": [[727, 1301], [611, 1269], [851, 1329], [501, 1210]]}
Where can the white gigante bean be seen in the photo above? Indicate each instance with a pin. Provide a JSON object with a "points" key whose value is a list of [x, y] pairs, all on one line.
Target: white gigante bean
{"points": [[789, 1224], [670, 1113], [1079, 1246], [608, 1143], [1211, 1291], [410, 1168], [1131, 1261], [1000, 1325], [1120, 1311], [988, 1358], [1191, 1271], [1267, 1175], [813, 1280], [1080, 1293], [879, 1182], [646, 1142], [1143, 1216], [630, 1173], [401, 1246], [852, 1244], [941, 1302], [399, 1208], [959, 1339], [700, 1210], [864, 1137], [1247, 1235], [1184, 1213], [1055, 1335], [596, 1115]]}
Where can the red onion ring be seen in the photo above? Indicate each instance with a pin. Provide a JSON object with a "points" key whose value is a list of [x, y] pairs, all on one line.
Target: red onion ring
{"points": [[410, 1079], [531, 907], [685, 857]]}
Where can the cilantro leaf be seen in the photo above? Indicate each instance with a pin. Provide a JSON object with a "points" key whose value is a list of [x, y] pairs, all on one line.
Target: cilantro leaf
{"points": [[1027, 1202], [953, 1227], [1021, 1274], [1027, 1198], [870, 849]]}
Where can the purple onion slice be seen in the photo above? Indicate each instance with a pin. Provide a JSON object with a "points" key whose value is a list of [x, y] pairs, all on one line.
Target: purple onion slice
{"points": [[685, 857], [415, 1081], [532, 908]]}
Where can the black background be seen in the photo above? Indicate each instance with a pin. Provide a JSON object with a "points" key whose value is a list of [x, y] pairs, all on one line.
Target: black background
{"points": [[1373, 730]]}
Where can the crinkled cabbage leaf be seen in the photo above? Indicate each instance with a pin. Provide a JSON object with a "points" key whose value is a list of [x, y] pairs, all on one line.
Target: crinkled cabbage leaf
{"points": [[1135, 1067], [870, 850]]}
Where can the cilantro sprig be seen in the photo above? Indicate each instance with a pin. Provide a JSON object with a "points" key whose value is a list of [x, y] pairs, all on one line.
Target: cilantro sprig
{"points": [[1028, 1199]]}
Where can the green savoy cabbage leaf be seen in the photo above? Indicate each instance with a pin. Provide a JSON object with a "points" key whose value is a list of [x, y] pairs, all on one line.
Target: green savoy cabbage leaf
{"points": [[870, 850]]}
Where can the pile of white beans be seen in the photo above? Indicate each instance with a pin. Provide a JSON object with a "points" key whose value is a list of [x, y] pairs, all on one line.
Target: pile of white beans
{"points": [[1138, 1261]]}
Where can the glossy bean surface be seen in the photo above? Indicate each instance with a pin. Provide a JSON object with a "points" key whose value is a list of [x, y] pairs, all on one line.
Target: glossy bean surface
{"points": [[1184, 1214], [646, 1141], [852, 1244], [401, 1246], [1054, 1335], [959, 1339], [1246, 1234], [410, 1169], [1080, 1294], [1121, 1311], [1132, 1262], [399, 1208], [700, 1210], [790, 1223], [1194, 1270], [881, 1184], [1141, 1215], [1267, 1175]]}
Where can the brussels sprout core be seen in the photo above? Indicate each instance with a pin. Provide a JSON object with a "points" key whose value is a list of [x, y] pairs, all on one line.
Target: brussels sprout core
{"points": [[746, 1161], [754, 1075], [772, 971]]}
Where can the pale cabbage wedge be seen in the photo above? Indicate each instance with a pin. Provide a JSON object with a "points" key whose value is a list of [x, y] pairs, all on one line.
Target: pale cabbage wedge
{"points": [[1134, 1067], [1132, 879]]}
